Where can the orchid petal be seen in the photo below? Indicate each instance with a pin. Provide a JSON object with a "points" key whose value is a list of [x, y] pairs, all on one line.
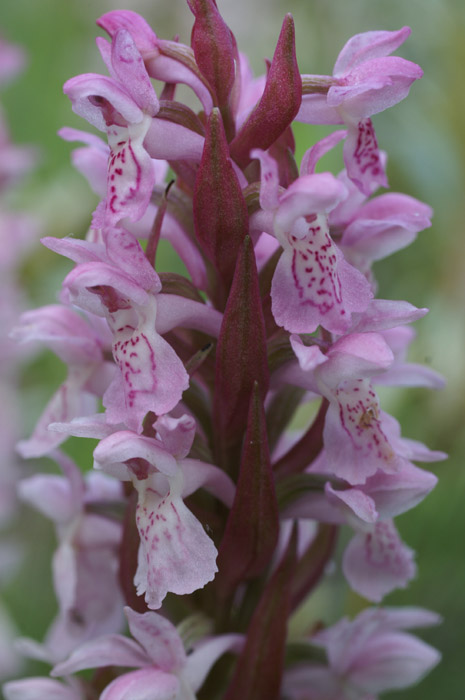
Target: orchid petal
{"points": [[309, 194], [86, 281], [125, 252], [49, 494], [368, 45], [115, 450], [160, 66], [412, 449], [314, 505], [269, 183], [142, 34], [39, 689], [67, 133], [396, 493], [314, 285], [412, 374], [146, 684], [175, 555], [320, 679], [110, 650], [67, 403], [131, 175], [166, 140], [91, 160], [358, 507], [409, 617], [374, 86], [160, 639], [189, 253], [198, 474], [394, 660], [151, 378], [65, 576], [382, 314], [92, 164], [384, 225], [309, 357], [377, 563], [354, 356], [62, 330], [355, 443], [93, 426], [75, 249], [129, 68], [174, 310], [176, 434], [314, 109], [313, 155], [206, 654], [88, 92], [362, 157]]}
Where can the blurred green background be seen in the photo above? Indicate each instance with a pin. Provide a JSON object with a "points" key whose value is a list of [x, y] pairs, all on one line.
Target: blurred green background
{"points": [[425, 140]]}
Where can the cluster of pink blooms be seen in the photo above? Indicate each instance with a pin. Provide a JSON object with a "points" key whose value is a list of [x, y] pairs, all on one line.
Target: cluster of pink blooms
{"points": [[205, 518], [16, 233]]}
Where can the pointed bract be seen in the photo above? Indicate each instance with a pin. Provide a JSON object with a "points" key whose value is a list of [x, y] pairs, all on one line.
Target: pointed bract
{"points": [[266, 637], [241, 353], [214, 48], [252, 526], [279, 103], [220, 212]]}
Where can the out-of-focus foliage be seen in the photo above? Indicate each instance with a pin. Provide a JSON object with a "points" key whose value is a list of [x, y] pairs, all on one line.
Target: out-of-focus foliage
{"points": [[425, 140]]}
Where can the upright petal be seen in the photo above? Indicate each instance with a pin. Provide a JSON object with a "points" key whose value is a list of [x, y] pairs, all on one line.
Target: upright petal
{"points": [[269, 184], [159, 638], [176, 434], [125, 252], [130, 70], [367, 45]]}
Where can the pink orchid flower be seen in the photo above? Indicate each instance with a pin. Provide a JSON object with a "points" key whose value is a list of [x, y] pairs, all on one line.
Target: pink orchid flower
{"points": [[165, 671], [366, 656], [123, 106], [85, 563], [78, 345], [366, 80], [175, 553], [313, 284], [159, 55]]}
